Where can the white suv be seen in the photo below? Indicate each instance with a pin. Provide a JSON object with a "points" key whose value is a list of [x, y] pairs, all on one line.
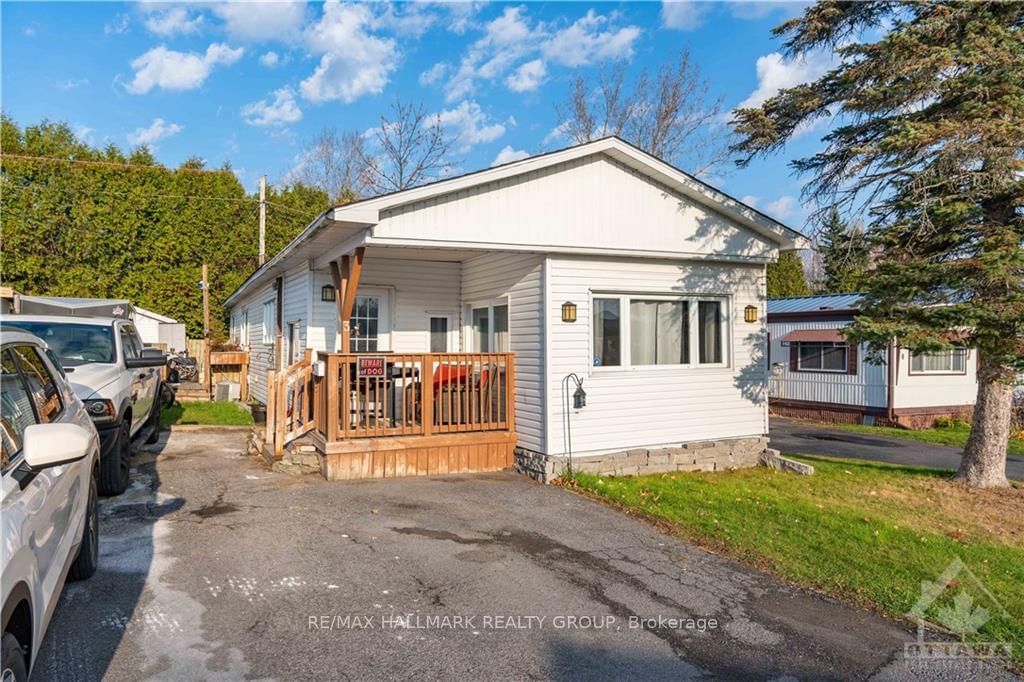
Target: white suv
{"points": [[48, 503], [116, 378]]}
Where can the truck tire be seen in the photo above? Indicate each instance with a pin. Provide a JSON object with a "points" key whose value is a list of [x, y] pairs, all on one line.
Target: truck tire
{"points": [[89, 549], [115, 469], [14, 667], [154, 416]]}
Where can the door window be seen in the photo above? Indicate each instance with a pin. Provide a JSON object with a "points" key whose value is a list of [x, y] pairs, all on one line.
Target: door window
{"points": [[438, 334], [16, 412], [40, 383], [364, 325]]}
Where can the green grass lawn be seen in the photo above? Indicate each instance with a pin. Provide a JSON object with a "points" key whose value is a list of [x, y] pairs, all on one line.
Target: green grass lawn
{"points": [[955, 436], [869, 533], [213, 413]]}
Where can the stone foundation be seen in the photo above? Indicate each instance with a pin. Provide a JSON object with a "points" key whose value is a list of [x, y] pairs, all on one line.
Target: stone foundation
{"points": [[710, 455]]}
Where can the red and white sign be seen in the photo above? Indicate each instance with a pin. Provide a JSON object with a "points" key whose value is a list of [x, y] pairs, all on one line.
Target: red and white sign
{"points": [[370, 366]]}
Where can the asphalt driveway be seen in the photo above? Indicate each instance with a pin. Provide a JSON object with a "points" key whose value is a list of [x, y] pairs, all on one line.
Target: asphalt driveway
{"points": [[213, 567], [800, 437]]}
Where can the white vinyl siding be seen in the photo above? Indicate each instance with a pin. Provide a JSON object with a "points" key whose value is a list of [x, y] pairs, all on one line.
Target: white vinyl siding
{"points": [[935, 389], [516, 278], [866, 388], [594, 202], [655, 405], [261, 355]]}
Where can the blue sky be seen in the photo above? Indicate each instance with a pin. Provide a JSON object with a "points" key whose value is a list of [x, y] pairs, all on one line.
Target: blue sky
{"points": [[253, 82]]}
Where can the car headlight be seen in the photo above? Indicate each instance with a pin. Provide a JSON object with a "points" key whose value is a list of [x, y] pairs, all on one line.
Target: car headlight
{"points": [[101, 411]]}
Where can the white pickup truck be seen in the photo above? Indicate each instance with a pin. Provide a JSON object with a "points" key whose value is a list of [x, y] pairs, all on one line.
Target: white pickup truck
{"points": [[116, 378]]}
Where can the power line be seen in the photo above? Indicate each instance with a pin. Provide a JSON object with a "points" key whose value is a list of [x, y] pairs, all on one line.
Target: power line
{"points": [[113, 164]]}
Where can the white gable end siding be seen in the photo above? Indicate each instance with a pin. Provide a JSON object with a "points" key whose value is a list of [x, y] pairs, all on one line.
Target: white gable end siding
{"points": [[866, 388], [935, 390], [592, 202], [413, 288], [650, 406], [519, 277]]}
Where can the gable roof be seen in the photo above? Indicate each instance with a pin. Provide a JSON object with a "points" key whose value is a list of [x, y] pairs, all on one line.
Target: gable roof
{"points": [[367, 212]]}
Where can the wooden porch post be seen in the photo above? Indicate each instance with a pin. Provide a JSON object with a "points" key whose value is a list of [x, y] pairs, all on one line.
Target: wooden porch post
{"points": [[346, 276]]}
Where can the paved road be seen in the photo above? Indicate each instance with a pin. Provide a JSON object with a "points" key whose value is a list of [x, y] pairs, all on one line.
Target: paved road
{"points": [[213, 567], [794, 436]]}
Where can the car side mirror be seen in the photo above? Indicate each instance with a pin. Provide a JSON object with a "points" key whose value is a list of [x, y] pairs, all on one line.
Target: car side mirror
{"points": [[149, 357], [50, 445]]}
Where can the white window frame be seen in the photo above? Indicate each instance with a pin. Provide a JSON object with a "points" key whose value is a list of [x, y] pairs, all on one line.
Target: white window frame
{"points": [[269, 322], [384, 316], [693, 313], [452, 341], [834, 344], [243, 330], [939, 372], [469, 334]]}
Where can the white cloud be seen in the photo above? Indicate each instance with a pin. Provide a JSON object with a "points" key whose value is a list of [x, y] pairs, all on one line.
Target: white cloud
{"points": [[73, 83], [117, 26], [682, 15], [513, 38], [258, 21], [281, 111], [527, 77], [270, 58], [775, 73], [508, 155], [470, 125], [585, 42], [433, 74], [749, 200], [176, 19], [407, 18], [157, 130], [171, 70], [558, 134], [782, 208], [354, 62], [83, 133]]}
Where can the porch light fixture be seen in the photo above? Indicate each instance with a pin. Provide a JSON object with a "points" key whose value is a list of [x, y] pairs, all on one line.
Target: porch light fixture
{"points": [[750, 313], [568, 312], [579, 398], [327, 293]]}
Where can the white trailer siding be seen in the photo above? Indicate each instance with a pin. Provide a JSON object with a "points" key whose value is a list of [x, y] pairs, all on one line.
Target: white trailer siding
{"points": [[651, 406], [490, 278], [866, 388], [593, 202], [261, 355], [935, 390], [412, 290]]}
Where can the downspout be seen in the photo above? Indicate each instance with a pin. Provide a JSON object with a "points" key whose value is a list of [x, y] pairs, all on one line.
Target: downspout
{"points": [[890, 388]]}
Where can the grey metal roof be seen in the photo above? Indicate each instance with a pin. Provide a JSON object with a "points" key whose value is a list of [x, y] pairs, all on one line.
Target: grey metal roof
{"points": [[71, 301], [807, 304]]}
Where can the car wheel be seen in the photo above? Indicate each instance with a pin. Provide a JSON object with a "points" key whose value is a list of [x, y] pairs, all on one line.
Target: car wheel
{"points": [[154, 417], [115, 468], [14, 668], [89, 550]]}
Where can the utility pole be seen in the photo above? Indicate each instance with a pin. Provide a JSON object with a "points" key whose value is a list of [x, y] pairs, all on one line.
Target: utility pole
{"points": [[206, 330], [263, 219]]}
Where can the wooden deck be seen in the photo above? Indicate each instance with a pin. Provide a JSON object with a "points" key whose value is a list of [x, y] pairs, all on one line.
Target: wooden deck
{"points": [[385, 415]]}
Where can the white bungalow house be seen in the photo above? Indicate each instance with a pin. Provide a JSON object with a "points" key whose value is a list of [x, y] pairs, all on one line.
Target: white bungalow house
{"points": [[455, 323], [817, 375]]}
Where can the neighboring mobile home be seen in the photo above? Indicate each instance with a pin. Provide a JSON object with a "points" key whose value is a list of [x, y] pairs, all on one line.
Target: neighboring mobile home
{"points": [[815, 374], [450, 319]]}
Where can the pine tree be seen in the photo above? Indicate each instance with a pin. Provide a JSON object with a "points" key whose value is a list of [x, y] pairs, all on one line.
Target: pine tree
{"points": [[845, 256], [786, 276], [928, 100]]}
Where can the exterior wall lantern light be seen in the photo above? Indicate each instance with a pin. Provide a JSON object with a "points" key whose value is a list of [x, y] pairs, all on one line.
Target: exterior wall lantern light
{"points": [[750, 313], [568, 312], [327, 293]]}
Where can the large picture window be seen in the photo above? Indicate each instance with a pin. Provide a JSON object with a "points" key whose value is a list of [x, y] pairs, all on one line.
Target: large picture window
{"points": [[822, 357], [952, 361], [655, 330]]}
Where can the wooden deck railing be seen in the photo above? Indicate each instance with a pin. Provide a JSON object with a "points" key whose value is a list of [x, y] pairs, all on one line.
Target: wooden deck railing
{"points": [[379, 395], [290, 403]]}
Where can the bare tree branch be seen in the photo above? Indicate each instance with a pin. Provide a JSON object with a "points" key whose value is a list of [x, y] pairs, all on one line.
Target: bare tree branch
{"points": [[412, 148], [333, 162]]}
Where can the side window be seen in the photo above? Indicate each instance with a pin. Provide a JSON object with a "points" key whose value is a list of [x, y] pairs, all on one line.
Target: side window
{"points": [[128, 342], [16, 413], [42, 387]]}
